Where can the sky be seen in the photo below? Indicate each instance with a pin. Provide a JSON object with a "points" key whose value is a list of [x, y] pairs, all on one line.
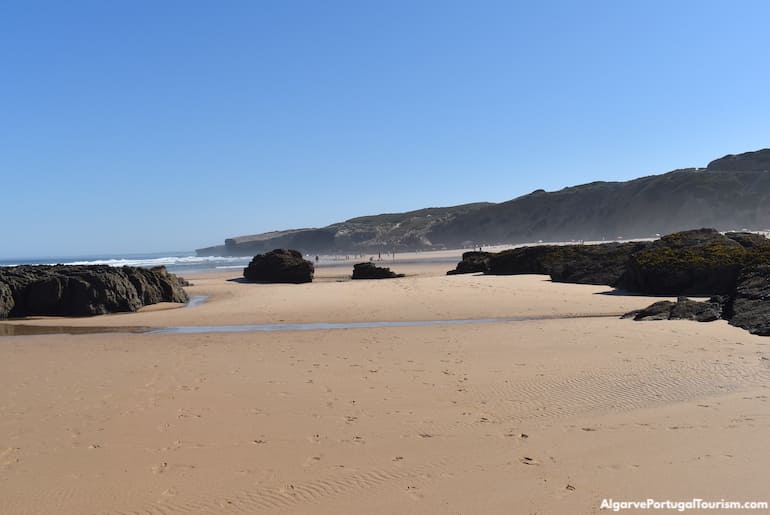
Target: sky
{"points": [[148, 126]]}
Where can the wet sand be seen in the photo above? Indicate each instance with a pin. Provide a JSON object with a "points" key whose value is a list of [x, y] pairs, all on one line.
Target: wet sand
{"points": [[532, 416]]}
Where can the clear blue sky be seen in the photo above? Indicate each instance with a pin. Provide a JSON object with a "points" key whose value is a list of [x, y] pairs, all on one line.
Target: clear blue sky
{"points": [[133, 126]]}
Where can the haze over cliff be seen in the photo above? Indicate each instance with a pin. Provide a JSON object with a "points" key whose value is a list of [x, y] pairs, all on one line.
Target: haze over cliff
{"points": [[732, 192]]}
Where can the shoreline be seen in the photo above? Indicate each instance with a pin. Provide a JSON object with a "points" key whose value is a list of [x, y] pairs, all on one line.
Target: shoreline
{"points": [[175, 262], [425, 293]]}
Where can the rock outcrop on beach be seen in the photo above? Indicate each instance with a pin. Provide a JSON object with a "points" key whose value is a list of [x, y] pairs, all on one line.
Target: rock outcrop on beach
{"points": [[595, 264], [732, 268], [523, 260], [733, 192], [472, 262], [682, 309], [750, 304], [279, 266], [156, 285], [581, 264], [371, 271], [697, 262], [81, 290]]}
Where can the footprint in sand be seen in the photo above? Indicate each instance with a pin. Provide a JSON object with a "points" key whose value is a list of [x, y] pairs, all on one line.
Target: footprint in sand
{"points": [[9, 457], [312, 460], [412, 492]]}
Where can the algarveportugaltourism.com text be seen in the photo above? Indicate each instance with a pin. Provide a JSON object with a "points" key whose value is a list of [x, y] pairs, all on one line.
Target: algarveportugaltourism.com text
{"points": [[692, 504]]}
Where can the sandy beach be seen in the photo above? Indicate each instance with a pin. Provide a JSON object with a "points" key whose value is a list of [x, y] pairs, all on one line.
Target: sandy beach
{"points": [[547, 415]]}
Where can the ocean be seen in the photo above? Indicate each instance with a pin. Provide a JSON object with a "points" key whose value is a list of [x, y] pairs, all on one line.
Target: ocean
{"points": [[182, 263], [176, 262]]}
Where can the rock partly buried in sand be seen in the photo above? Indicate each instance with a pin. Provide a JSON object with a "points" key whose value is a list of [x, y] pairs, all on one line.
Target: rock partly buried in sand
{"points": [[750, 307], [81, 290], [697, 262], [682, 309], [279, 266], [472, 262], [372, 271], [580, 264]]}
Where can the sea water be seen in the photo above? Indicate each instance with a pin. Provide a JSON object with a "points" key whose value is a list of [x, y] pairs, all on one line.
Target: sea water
{"points": [[179, 263], [182, 263]]}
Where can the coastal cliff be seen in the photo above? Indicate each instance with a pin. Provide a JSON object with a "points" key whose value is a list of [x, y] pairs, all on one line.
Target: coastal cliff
{"points": [[732, 192]]}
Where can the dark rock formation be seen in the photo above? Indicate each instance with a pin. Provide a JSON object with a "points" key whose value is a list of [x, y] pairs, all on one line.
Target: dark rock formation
{"points": [[371, 271], [748, 240], [697, 262], [473, 261], [523, 260], [682, 309], [594, 264], [735, 267], [6, 300], [179, 279], [74, 290], [581, 264], [750, 306], [279, 266], [156, 284]]}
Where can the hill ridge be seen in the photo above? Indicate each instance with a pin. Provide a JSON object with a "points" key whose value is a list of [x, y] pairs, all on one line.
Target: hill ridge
{"points": [[732, 192]]}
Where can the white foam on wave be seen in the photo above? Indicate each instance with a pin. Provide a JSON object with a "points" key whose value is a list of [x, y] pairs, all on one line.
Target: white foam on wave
{"points": [[165, 261]]}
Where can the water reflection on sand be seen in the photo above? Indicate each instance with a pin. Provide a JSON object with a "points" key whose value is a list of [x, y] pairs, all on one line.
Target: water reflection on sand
{"points": [[29, 330]]}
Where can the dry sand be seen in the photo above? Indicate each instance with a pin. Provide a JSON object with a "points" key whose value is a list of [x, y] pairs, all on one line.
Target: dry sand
{"points": [[540, 416]]}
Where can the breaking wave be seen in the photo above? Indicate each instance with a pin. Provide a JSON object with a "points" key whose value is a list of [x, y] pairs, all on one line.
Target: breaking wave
{"points": [[205, 261], [183, 263]]}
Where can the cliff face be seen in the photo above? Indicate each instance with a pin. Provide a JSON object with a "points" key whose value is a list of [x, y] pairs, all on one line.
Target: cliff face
{"points": [[378, 233], [643, 207], [732, 193]]}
